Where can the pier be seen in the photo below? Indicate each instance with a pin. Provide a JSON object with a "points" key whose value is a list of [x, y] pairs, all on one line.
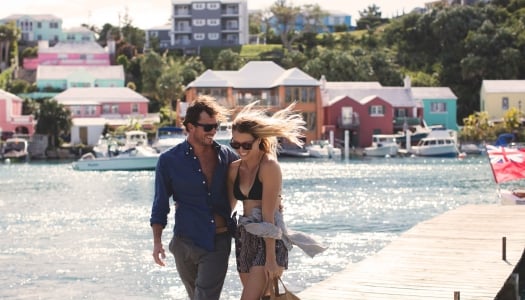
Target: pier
{"points": [[472, 252]]}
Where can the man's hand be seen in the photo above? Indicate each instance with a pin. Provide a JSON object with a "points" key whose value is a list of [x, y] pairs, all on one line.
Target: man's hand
{"points": [[158, 254]]}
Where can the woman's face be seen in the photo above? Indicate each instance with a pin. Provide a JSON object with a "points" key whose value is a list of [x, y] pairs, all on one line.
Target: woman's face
{"points": [[244, 143]]}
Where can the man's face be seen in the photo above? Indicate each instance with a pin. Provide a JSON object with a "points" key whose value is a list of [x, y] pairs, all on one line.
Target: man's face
{"points": [[204, 130]]}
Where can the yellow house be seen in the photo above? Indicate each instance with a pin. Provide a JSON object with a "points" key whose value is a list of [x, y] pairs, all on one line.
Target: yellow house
{"points": [[498, 96], [268, 83]]}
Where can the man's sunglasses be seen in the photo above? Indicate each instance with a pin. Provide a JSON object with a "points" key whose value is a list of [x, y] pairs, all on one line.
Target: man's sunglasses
{"points": [[245, 146], [207, 127]]}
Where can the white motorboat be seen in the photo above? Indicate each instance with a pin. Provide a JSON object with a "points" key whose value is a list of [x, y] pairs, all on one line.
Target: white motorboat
{"points": [[383, 145], [224, 134], [438, 143], [15, 149], [168, 137], [322, 149], [136, 158], [512, 197]]}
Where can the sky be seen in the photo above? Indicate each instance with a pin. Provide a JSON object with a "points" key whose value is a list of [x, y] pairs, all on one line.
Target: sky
{"points": [[150, 13]]}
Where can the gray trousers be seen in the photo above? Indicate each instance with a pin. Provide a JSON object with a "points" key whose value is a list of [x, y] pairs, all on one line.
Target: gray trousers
{"points": [[202, 272]]}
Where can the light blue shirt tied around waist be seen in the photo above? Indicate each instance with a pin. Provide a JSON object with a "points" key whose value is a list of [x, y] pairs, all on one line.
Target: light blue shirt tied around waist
{"points": [[254, 224]]}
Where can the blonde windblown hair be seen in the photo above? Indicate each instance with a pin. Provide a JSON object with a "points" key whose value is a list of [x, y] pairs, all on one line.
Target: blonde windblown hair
{"points": [[285, 123]]}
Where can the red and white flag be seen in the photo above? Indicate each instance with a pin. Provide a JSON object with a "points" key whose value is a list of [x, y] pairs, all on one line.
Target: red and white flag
{"points": [[507, 163]]}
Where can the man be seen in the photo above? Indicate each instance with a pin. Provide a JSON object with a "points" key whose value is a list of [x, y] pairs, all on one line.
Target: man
{"points": [[194, 174]]}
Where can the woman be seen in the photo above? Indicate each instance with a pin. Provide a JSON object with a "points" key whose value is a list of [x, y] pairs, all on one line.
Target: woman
{"points": [[255, 179]]}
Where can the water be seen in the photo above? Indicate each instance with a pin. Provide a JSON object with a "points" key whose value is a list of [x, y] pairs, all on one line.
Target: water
{"points": [[66, 234]]}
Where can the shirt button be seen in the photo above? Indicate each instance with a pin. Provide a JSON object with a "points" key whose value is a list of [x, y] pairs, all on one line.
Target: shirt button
{"points": [[200, 170], [203, 182], [209, 194], [195, 157], [213, 221]]}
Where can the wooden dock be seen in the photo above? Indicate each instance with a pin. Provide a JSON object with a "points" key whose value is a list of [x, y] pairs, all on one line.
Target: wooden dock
{"points": [[457, 255]]}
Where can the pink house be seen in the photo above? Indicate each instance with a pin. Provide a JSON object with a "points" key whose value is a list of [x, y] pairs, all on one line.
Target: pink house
{"points": [[367, 108], [93, 108], [11, 118], [362, 119], [69, 54]]}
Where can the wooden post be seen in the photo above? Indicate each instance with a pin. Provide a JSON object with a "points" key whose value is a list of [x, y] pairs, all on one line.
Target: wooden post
{"points": [[456, 295], [504, 248]]}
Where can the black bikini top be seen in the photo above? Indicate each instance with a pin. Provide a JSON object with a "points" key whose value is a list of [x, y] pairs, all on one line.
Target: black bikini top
{"points": [[255, 191]]}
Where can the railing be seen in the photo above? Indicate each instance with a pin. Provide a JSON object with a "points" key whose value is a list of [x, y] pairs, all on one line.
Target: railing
{"points": [[272, 101]]}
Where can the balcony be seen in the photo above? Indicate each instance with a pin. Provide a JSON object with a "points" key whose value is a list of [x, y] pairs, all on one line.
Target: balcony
{"points": [[272, 101], [230, 12], [182, 28], [399, 122]]}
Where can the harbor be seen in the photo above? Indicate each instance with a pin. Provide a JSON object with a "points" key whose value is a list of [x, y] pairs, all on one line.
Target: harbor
{"points": [[86, 234]]}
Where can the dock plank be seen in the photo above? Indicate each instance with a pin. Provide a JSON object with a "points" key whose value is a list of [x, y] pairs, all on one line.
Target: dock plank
{"points": [[460, 250]]}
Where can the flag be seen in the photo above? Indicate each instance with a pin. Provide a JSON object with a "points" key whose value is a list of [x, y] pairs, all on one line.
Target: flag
{"points": [[507, 163]]}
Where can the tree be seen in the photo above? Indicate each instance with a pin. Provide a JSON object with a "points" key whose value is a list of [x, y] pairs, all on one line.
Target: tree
{"points": [[53, 120], [370, 18], [477, 128], [228, 60], [9, 36], [287, 17], [151, 68]]}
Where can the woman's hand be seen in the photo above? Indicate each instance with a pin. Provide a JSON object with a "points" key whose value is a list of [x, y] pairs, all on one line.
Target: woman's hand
{"points": [[272, 269]]}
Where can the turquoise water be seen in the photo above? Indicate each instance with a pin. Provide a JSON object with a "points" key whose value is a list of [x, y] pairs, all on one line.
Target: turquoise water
{"points": [[66, 234]]}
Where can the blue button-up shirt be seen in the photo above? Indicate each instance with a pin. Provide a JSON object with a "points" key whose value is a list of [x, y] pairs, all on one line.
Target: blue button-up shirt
{"points": [[179, 175]]}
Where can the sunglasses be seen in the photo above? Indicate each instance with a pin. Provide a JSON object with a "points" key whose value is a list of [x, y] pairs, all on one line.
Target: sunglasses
{"points": [[207, 127], [245, 146]]}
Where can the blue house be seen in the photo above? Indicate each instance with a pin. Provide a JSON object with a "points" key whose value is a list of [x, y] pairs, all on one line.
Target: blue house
{"points": [[329, 23], [439, 105], [43, 27]]}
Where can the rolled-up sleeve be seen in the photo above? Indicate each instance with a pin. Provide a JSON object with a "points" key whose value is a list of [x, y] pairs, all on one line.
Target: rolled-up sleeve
{"points": [[163, 191]]}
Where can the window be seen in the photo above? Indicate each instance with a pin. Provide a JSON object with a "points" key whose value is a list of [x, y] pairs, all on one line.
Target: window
{"points": [[91, 110], [438, 107], [304, 94], [199, 22], [76, 110], [310, 119], [214, 22], [213, 6], [38, 25], [213, 36], [505, 103], [199, 6], [401, 113], [199, 36], [377, 110], [135, 108], [106, 108]]}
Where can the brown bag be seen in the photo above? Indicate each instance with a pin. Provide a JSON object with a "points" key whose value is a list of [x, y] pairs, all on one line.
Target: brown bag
{"points": [[275, 295]]}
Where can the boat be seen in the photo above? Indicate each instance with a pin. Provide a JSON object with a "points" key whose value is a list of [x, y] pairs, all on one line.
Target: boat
{"points": [[167, 137], [224, 134], [15, 149], [438, 143], [133, 153], [508, 164], [472, 148], [136, 158], [413, 135], [293, 150], [383, 145], [322, 149]]}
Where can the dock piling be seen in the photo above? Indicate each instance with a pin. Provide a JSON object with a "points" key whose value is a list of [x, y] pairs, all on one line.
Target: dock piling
{"points": [[504, 248]]}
